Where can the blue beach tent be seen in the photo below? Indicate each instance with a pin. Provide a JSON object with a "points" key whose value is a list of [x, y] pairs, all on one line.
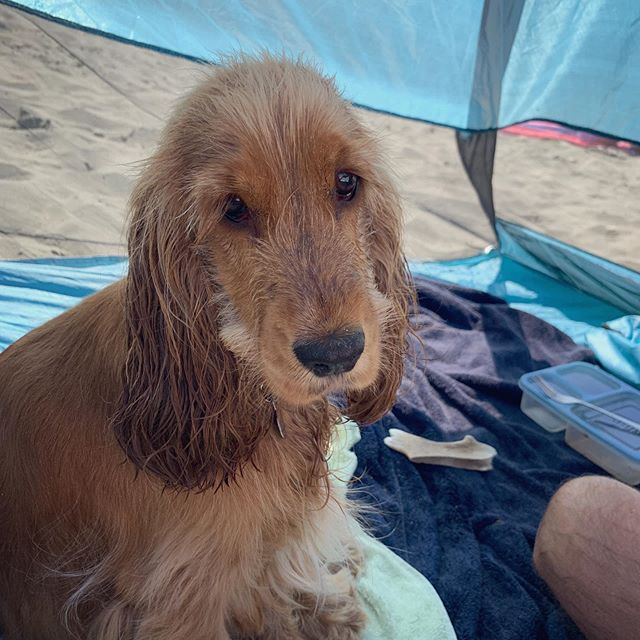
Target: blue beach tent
{"points": [[475, 66]]}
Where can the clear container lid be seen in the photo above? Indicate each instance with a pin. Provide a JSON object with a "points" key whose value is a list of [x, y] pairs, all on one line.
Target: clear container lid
{"points": [[588, 383]]}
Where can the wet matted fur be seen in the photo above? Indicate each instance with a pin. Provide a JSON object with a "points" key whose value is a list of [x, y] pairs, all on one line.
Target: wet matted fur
{"points": [[145, 490]]}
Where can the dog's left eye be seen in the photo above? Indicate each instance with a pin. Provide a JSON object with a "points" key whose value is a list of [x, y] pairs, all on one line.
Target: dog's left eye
{"points": [[236, 210], [346, 185]]}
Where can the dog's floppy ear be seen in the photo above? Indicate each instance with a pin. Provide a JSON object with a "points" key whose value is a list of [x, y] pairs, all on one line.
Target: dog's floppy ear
{"points": [[181, 415], [384, 233]]}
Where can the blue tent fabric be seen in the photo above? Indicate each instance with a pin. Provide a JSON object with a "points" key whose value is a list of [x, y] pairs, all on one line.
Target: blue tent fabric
{"points": [[606, 280], [471, 534], [34, 291], [618, 343], [468, 64], [568, 309]]}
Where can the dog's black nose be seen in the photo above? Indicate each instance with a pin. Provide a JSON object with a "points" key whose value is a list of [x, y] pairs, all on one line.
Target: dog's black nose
{"points": [[333, 354]]}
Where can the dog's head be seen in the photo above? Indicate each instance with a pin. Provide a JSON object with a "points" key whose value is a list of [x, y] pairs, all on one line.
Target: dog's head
{"points": [[265, 261]]}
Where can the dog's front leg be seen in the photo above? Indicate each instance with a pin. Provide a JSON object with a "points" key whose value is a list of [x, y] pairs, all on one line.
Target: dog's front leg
{"points": [[335, 615], [313, 583], [338, 616]]}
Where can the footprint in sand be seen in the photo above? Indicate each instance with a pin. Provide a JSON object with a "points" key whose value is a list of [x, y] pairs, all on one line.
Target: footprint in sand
{"points": [[28, 120]]}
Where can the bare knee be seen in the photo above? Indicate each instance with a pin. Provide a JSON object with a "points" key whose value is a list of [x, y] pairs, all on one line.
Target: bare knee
{"points": [[586, 551], [558, 518], [582, 503]]}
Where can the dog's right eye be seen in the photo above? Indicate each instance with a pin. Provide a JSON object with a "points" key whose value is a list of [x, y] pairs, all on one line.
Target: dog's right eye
{"points": [[346, 185], [236, 210]]}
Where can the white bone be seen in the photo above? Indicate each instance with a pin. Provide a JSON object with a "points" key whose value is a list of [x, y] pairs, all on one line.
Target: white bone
{"points": [[467, 453]]}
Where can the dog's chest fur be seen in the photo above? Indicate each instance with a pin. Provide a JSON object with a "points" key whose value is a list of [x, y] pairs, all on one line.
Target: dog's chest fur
{"points": [[263, 537]]}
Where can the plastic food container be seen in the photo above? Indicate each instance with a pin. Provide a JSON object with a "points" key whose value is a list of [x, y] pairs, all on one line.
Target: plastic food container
{"points": [[611, 445]]}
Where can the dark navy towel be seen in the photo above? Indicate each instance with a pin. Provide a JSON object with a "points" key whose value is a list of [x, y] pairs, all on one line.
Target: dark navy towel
{"points": [[472, 533]]}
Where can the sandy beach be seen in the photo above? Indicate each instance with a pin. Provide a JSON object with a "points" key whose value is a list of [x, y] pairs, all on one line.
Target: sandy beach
{"points": [[79, 112]]}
